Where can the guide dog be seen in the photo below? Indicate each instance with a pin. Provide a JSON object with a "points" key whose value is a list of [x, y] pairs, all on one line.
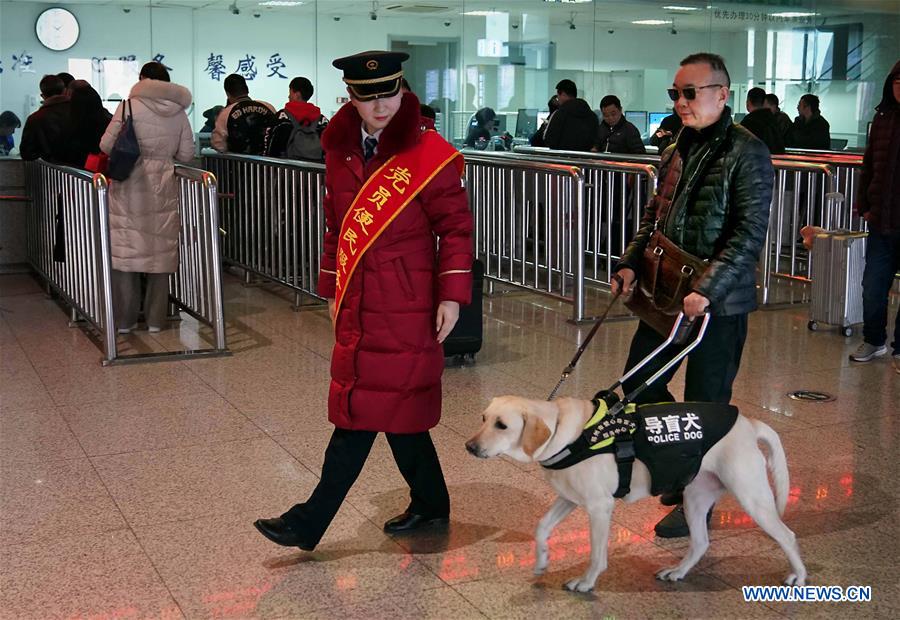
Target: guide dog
{"points": [[528, 430]]}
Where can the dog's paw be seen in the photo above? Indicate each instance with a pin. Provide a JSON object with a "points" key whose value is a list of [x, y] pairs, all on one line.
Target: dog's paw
{"points": [[795, 580], [674, 573], [580, 584]]}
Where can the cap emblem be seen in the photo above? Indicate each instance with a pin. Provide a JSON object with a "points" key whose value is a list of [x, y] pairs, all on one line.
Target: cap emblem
{"points": [[372, 65]]}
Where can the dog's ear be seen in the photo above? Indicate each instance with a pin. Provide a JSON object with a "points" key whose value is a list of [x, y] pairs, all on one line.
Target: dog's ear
{"points": [[534, 434]]}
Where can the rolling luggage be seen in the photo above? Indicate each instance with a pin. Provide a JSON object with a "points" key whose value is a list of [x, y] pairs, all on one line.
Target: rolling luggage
{"points": [[464, 341], [837, 262]]}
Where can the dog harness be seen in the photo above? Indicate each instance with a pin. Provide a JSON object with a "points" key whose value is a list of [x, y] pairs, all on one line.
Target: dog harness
{"points": [[671, 439]]}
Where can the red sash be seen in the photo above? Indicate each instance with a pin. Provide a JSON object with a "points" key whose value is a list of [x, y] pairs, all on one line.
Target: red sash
{"points": [[383, 197]]}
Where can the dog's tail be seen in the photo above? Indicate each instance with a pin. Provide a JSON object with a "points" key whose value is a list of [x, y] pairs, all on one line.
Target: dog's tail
{"points": [[776, 461]]}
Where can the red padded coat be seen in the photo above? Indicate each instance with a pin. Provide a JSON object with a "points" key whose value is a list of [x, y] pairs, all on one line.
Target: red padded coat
{"points": [[387, 364]]}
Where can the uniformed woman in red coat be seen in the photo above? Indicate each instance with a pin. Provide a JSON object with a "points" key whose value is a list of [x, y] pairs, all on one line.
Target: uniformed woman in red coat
{"points": [[392, 190]]}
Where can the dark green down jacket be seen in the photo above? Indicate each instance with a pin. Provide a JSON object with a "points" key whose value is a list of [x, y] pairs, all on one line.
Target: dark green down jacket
{"points": [[719, 210]]}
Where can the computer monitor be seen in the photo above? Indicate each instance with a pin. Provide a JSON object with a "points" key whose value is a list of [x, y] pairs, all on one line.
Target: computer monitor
{"points": [[526, 122], [638, 118], [838, 144], [500, 124], [655, 119]]}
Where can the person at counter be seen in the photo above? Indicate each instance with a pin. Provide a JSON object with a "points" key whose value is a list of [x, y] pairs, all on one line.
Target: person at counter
{"points": [[666, 133], [810, 130], [782, 120], [89, 120], [48, 132], [9, 122], [617, 135], [481, 129], [574, 125], [761, 122], [538, 138]]}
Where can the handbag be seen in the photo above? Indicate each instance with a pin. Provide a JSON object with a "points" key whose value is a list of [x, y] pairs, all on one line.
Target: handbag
{"points": [[126, 150], [667, 273], [667, 276]]}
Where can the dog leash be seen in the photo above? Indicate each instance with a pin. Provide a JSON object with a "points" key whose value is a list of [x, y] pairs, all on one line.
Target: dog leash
{"points": [[571, 367]]}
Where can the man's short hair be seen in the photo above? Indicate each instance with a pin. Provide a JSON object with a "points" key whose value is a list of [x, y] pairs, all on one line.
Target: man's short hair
{"points": [[715, 62], [303, 86], [756, 97], [772, 99], [155, 71], [52, 85], [609, 100], [67, 78], [568, 87], [236, 85], [812, 101]]}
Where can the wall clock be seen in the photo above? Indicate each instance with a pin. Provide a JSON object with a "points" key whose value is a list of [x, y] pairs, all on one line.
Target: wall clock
{"points": [[57, 29]]}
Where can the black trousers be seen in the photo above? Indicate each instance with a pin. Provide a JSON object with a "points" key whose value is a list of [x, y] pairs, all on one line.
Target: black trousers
{"points": [[345, 456], [711, 367]]}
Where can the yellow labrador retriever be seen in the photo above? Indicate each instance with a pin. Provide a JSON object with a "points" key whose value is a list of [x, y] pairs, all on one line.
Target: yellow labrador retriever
{"points": [[529, 430]]}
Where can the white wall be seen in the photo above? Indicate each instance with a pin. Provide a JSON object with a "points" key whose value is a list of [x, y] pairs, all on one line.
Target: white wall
{"points": [[308, 43]]}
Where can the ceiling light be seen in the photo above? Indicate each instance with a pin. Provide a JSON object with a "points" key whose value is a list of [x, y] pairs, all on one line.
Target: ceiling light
{"points": [[651, 22], [793, 14], [281, 3], [482, 13], [569, 1], [681, 8]]}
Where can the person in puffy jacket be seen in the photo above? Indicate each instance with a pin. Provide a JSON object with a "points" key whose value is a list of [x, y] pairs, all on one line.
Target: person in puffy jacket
{"points": [[574, 126], [395, 269], [616, 134], [713, 195], [143, 210], [89, 119], [47, 133], [879, 203], [810, 131], [297, 111]]}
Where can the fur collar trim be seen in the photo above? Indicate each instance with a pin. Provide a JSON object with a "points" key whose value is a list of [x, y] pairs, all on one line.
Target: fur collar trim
{"points": [[166, 95], [402, 133]]}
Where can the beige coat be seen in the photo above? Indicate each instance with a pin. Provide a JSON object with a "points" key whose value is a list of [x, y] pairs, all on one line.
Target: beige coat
{"points": [[143, 210]]}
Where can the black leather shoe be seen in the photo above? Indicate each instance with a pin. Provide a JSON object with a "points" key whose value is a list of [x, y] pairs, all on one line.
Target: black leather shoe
{"points": [[281, 533], [409, 521], [674, 524]]}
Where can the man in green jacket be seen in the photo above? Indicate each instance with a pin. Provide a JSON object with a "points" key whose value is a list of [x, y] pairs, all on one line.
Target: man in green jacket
{"points": [[715, 189]]}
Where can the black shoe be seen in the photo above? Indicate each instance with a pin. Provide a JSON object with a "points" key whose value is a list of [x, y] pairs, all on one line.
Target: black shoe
{"points": [[409, 521], [281, 533], [671, 499], [674, 525]]}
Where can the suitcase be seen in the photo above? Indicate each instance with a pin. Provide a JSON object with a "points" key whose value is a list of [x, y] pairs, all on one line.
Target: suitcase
{"points": [[464, 341], [837, 262]]}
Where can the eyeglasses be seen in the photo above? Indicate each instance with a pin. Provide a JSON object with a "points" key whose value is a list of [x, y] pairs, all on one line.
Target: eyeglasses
{"points": [[690, 93]]}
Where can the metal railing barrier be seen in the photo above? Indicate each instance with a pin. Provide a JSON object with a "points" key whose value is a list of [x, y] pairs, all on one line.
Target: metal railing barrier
{"points": [[69, 247], [529, 225], [273, 218]]}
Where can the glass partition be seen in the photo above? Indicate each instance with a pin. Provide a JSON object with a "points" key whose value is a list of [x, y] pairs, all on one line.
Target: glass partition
{"points": [[471, 55]]}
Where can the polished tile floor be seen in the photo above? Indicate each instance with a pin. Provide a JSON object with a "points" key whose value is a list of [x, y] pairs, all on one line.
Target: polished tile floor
{"points": [[129, 492]]}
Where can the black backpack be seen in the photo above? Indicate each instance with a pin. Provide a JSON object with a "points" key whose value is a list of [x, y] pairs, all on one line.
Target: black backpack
{"points": [[304, 142], [248, 121]]}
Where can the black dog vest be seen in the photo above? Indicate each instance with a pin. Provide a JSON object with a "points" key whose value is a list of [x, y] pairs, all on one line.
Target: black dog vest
{"points": [[671, 439]]}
